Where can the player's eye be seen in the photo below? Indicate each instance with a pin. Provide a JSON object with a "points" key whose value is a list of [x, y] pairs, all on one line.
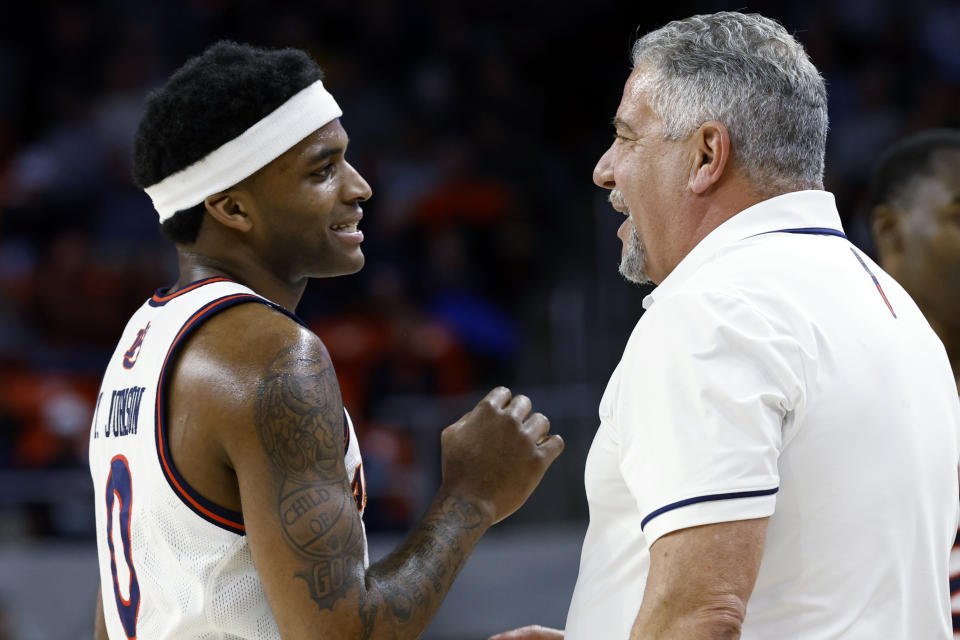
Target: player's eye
{"points": [[324, 172]]}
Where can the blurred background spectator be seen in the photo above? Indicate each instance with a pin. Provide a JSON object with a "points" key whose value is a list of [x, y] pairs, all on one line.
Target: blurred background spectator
{"points": [[491, 258]]}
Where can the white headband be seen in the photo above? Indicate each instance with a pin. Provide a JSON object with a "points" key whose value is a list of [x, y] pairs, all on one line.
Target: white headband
{"points": [[288, 124]]}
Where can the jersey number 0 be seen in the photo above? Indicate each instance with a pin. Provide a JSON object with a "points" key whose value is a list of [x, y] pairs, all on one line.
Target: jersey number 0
{"points": [[120, 496]]}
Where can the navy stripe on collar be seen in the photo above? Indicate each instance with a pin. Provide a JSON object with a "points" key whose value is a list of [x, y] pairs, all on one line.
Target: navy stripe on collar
{"points": [[810, 231]]}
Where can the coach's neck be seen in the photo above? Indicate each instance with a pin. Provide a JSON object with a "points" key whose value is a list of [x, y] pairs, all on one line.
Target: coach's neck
{"points": [[703, 210]]}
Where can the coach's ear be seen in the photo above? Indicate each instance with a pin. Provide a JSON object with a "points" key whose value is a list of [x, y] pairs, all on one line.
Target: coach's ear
{"points": [[888, 234], [227, 208], [710, 147]]}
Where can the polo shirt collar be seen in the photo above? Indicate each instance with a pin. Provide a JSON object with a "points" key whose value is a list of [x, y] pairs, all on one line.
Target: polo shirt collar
{"points": [[787, 211]]}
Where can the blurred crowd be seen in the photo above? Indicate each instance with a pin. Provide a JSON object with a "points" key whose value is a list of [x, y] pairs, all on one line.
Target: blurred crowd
{"points": [[477, 125]]}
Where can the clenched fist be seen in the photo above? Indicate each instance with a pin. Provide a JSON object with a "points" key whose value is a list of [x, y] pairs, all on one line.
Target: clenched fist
{"points": [[497, 454]]}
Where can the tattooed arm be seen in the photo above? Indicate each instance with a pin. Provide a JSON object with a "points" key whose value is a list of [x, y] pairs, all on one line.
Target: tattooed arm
{"points": [[303, 525]]}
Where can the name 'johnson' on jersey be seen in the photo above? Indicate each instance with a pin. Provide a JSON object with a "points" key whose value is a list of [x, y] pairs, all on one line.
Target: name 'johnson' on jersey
{"points": [[172, 563]]}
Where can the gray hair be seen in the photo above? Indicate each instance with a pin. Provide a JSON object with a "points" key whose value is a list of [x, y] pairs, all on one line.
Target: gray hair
{"points": [[748, 73]]}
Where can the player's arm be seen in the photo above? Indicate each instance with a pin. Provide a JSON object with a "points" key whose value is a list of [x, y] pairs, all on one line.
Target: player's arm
{"points": [[531, 632], [99, 624], [700, 580], [301, 520]]}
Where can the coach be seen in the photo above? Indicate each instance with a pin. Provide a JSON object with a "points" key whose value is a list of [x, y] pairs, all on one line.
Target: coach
{"points": [[783, 427], [778, 447]]}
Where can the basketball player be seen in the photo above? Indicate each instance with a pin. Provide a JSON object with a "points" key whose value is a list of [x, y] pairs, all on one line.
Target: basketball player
{"points": [[228, 478], [915, 198], [778, 447]]}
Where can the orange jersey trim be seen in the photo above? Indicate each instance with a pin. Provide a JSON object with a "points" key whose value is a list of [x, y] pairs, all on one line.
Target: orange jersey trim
{"points": [[167, 467], [189, 288]]}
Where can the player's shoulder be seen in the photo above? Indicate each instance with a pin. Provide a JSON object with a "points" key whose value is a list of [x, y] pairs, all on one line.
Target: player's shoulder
{"points": [[245, 367], [258, 327], [239, 346]]}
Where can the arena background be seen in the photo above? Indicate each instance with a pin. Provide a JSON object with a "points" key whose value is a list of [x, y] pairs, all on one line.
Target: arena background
{"points": [[491, 257]]}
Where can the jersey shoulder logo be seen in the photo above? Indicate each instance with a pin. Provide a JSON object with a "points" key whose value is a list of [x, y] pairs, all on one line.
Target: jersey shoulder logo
{"points": [[130, 357]]}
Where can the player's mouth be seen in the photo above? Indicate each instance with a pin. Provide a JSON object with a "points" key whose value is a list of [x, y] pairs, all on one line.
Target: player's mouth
{"points": [[348, 230]]}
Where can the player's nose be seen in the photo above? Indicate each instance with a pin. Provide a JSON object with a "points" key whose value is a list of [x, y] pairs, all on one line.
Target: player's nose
{"points": [[357, 189]]}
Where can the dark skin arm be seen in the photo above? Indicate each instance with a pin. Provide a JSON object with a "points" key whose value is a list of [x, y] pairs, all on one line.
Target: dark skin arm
{"points": [[268, 415], [99, 624]]}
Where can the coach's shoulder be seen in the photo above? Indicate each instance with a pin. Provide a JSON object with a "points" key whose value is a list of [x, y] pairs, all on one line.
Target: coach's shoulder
{"points": [[704, 315]]}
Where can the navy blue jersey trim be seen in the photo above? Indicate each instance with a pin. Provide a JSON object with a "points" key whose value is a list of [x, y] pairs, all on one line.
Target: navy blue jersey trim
{"points": [[716, 496], [162, 297], [211, 512], [289, 314]]}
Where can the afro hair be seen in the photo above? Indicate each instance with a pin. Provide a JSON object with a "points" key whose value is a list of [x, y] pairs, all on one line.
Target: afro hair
{"points": [[210, 100]]}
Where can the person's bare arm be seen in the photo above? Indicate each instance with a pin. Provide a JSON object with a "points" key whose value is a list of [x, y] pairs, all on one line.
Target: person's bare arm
{"points": [[700, 580], [284, 438], [99, 624], [531, 632]]}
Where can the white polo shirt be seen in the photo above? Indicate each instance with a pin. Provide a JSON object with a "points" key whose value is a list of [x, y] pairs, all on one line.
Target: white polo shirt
{"points": [[785, 375]]}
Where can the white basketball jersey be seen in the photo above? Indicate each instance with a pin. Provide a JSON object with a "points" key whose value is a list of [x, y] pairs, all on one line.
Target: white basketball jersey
{"points": [[172, 563]]}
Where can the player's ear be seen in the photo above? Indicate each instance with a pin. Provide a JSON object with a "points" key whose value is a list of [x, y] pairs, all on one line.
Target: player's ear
{"points": [[229, 209], [710, 147], [887, 230]]}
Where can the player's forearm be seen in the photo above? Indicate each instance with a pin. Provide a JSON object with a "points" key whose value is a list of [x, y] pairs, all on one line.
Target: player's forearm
{"points": [[99, 624], [405, 589]]}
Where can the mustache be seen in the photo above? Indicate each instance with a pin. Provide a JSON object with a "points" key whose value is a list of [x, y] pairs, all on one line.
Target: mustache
{"points": [[616, 199]]}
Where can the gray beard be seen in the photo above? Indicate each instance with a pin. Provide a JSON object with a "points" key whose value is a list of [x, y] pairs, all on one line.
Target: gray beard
{"points": [[634, 260]]}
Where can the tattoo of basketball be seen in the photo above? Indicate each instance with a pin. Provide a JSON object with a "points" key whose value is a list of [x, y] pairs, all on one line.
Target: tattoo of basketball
{"points": [[334, 543], [299, 421], [313, 520]]}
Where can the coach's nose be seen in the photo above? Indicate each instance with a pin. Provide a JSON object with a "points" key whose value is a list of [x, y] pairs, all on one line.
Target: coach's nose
{"points": [[603, 172]]}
